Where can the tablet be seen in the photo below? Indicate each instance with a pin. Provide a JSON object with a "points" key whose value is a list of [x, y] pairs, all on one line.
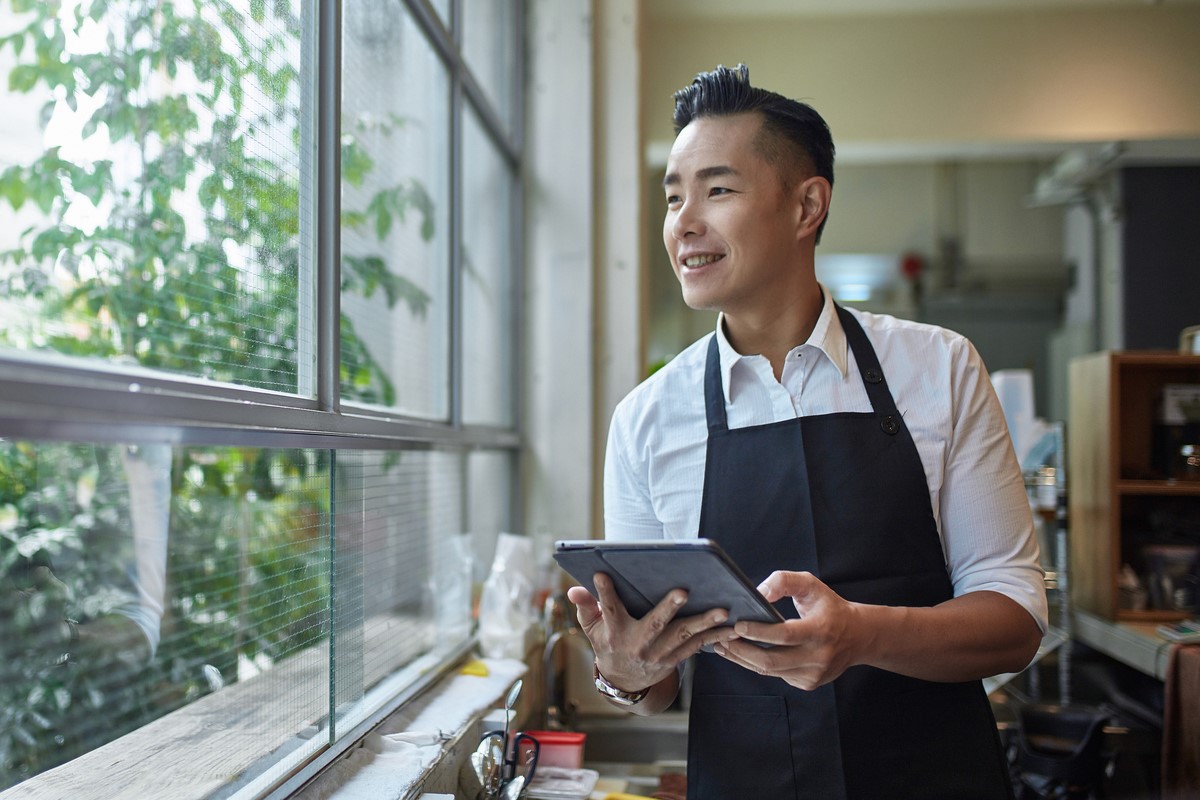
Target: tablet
{"points": [[643, 572]]}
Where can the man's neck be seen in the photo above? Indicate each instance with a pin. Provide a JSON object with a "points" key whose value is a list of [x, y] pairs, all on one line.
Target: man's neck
{"points": [[774, 333]]}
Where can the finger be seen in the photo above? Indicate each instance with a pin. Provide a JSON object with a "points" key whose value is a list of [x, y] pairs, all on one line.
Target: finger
{"points": [[749, 658], [686, 636], [587, 610], [606, 593], [745, 655], [716, 637], [659, 617], [791, 632], [780, 584]]}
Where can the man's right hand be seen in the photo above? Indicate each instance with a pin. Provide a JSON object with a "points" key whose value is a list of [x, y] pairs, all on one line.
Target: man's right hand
{"points": [[635, 654], [34, 632]]}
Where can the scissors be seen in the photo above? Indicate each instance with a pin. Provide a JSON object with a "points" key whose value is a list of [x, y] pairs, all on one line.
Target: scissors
{"points": [[520, 758], [516, 755]]}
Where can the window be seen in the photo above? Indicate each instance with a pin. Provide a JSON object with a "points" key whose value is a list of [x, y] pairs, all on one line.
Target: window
{"points": [[258, 362]]}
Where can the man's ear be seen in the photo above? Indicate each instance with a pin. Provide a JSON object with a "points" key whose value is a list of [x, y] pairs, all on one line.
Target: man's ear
{"points": [[812, 205]]}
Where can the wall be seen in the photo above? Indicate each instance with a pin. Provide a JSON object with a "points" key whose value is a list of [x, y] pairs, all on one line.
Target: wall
{"points": [[985, 76], [557, 404], [619, 278]]}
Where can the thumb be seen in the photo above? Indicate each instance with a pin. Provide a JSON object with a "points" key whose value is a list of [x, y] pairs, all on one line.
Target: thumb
{"points": [[48, 583], [779, 584], [587, 608]]}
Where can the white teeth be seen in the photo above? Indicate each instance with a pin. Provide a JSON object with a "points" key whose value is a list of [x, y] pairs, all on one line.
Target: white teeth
{"points": [[699, 261]]}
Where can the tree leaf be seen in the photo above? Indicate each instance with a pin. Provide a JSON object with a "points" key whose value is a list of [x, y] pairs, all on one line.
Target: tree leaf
{"points": [[22, 78]]}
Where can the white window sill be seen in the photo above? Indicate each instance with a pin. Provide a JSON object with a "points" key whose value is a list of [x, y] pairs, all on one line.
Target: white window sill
{"points": [[396, 760]]}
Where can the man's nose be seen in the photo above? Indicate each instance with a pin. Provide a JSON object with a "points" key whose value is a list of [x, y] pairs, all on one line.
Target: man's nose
{"points": [[687, 221]]}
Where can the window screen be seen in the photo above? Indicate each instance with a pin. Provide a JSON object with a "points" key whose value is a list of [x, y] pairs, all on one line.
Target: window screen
{"points": [[249, 480], [396, 211], [151, 202], [487, 254]]}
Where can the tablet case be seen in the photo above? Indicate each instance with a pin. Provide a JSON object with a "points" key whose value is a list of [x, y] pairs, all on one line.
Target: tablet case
{"points": [[643, 572]]}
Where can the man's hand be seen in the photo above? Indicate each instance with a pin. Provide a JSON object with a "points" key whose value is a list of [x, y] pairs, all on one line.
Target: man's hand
{"points": [[36, 632], [810, 651], [33, 618], [635, 654], [966, 638]]}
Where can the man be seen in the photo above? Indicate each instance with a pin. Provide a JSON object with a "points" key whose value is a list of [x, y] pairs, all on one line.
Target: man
{"points": [[858, 465]]}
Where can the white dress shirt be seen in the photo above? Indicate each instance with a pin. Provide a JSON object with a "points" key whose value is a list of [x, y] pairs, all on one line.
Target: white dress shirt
{"points": [[654, 464]]}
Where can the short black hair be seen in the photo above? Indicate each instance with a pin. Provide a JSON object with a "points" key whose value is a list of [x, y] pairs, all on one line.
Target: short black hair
{"points": [[725, 92]]}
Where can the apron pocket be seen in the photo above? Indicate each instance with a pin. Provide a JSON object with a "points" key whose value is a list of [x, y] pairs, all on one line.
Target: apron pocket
{"points": [[739, 746]]}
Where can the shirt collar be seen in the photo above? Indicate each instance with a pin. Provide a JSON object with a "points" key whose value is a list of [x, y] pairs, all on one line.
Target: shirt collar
{"points": [[827, 336]]}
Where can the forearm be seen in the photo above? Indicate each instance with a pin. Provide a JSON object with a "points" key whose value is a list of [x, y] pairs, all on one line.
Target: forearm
{"points": [[968, 638]]}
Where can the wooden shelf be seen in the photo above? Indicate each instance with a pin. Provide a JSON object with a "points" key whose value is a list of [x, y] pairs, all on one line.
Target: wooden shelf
{"points": [[1176, 488], [1115, 401]]}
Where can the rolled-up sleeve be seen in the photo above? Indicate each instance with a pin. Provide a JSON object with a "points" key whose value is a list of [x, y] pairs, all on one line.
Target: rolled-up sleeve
{"points": [[987, 524], [628, 509]]}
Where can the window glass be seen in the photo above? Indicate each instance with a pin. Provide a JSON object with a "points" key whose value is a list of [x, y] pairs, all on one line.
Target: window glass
{"points": [[403, 560], [490, 487], [186, 574], [396, 211], [150, 187], [216, 576], [488, 33], [487, 254], [222, 580]]}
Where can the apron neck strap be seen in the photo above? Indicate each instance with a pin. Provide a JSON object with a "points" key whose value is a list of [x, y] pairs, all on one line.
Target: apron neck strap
{"points": [[714, 398], [881, 398]]}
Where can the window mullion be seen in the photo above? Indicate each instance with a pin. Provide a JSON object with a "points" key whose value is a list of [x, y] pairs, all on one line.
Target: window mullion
{"points": [[457, 98], [328, 190]]}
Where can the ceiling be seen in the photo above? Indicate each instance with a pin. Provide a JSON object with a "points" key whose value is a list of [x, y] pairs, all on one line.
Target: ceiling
{"points": [[726, 9]]}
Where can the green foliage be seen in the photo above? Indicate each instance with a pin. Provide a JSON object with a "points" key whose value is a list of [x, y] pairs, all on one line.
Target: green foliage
{"points": [[186, 91], [142, 287]]}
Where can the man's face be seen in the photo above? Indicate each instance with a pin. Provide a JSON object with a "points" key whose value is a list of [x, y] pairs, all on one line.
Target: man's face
{"points": [[730, 229]]}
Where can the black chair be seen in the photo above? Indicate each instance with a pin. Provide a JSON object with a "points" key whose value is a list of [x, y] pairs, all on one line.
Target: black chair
{"points": [[1058, 753]]}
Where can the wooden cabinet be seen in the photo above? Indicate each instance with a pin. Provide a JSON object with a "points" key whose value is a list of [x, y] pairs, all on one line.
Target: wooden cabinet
{"points": [[1127, 504]]}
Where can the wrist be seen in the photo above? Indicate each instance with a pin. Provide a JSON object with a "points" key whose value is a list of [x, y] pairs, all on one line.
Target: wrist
{"points": [[615, 694]]}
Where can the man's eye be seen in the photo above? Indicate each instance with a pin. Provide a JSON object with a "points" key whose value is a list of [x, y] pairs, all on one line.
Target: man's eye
{"points": [[718, 190], [674, 200]]}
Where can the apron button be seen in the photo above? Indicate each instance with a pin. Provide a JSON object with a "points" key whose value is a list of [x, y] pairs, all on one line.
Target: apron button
{"points": [[890, 425], [873, 376]]}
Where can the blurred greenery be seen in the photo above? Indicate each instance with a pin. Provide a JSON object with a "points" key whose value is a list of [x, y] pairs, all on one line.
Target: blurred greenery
{"points": [[187, 91]]}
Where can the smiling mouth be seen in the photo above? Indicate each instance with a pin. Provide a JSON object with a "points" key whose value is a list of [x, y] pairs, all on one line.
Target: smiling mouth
{"points": [[700, 261]]}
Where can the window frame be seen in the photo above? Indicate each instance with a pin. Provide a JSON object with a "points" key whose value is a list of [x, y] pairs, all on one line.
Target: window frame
{"points": [[49, 397], [179, 409]]}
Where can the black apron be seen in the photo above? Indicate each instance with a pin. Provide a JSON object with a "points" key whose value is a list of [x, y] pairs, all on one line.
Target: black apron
{"points": [[861, 521]]}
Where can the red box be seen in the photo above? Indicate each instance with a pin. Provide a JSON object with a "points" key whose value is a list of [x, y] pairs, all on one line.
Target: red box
{"points": [[559, 748]]}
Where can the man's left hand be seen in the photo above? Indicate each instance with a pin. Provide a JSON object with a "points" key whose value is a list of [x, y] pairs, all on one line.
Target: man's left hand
{"points": [[808, 652]]}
